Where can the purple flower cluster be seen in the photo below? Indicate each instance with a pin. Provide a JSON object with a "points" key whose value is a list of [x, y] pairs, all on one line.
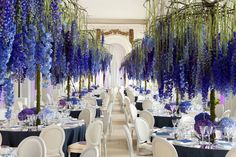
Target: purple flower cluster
{"points": [[202, 119], [26, 112]]}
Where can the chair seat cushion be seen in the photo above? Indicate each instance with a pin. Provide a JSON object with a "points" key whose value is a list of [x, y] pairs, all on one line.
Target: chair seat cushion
{"points": [[77, 146]]}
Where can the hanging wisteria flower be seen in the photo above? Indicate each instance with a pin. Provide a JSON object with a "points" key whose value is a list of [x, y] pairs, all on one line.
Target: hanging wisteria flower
{"points": [[17, 62], [0, 94], [7, 33], [8, 93], [30, 44], [86, 55], [58, 69], [184, 106], [43, 52]]}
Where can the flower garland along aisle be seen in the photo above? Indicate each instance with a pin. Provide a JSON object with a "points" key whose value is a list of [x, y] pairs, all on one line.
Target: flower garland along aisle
{"points": [[193, 48]]}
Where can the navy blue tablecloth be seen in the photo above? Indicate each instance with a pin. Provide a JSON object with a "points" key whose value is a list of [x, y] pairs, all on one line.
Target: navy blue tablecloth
{"points": [[161, 121], [75, 113], [139, 106], [199, 152], [72, 135]]}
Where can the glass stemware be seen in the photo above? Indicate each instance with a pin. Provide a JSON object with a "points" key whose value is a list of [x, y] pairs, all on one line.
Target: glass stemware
{"points": [[175, 122], [209, 131], [172, 108], [228, 133], [202, 131]]}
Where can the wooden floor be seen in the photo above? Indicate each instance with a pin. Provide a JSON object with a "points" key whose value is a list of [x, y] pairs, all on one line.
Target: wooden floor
{"points": [[116, 144]]}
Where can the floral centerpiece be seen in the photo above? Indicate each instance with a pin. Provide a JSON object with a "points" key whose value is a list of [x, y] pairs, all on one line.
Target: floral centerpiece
{"points": [[26, 112], [183, 106], [63, 103], [202, 119], [46, 114], [226, 123]]}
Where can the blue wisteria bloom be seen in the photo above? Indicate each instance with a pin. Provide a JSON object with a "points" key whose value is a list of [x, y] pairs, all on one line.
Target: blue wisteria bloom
{"points": [[7, 33], [8, 93], [30, 48], [43, 52]]}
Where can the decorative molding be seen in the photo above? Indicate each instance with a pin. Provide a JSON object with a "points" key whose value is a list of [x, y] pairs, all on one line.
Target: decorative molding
{"points": [[138, 29], [116, 21], [115, 32]]}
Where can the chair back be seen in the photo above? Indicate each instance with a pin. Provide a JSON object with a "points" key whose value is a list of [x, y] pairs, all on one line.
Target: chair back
{"points": [[127, 101], [54, 137], [129, 141], [147, 104], [93, 111], [90, 100], [106, 100], [231, 153], [142, 130], [146, 115], [32, 146], [106, 121], [0, 139], [111, 95], [226, 114], [86, 115], [162, 148], [90, 152], [120, 97], [133, 112], [131, 96], [94, 133]]}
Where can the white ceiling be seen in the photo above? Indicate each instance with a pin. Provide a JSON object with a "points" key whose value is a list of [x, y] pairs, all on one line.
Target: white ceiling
{"points": [[114, 9]]}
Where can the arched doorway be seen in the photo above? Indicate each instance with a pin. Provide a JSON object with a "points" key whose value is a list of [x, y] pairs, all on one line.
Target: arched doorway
{"points": [[118, 46]]}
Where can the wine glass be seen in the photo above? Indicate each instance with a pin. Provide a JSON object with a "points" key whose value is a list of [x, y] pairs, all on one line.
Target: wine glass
{"points": [[202, 131], [228, 133], [174, 122], [172, 108], [209, 130]]}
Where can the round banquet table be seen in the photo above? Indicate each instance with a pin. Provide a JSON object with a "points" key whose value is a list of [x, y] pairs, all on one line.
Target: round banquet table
{"points": [[184, 151], [164, 121], [75, 113], [13, 138]]}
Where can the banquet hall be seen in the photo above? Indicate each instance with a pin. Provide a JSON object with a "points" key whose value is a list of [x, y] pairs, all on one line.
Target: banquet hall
{"points": [[117, 78]]}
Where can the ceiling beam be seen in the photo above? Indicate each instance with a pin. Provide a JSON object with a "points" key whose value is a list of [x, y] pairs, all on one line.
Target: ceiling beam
{"points": [[116, 21]]}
